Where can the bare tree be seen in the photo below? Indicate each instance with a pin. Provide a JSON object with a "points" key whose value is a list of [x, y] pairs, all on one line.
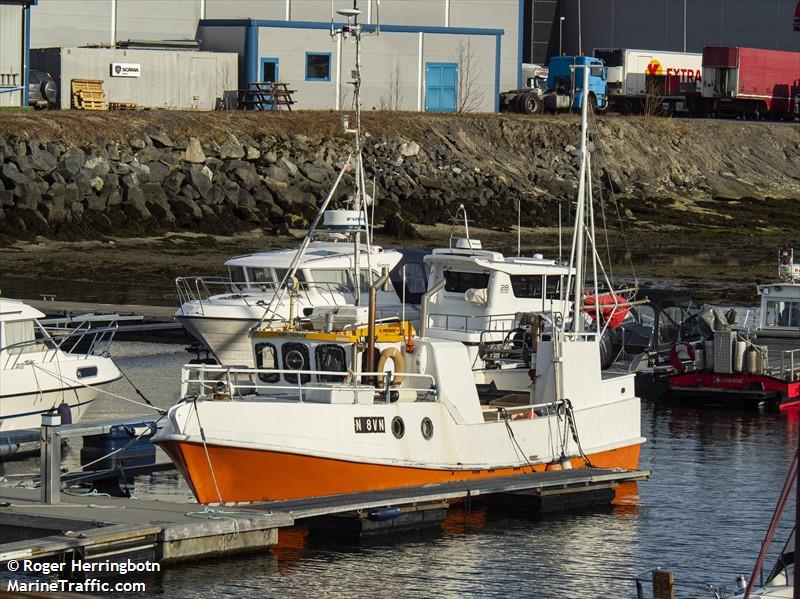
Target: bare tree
{"points": [[394, 96], [653, 100], [470, 94]]}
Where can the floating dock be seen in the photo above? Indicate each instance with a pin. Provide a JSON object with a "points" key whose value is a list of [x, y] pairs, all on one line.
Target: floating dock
{"points": [[94, 527], [137, 321]]}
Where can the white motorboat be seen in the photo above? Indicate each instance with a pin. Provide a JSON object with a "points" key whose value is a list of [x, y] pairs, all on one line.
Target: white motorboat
{"points": [[220, 311], [37, 376], [337, 407]]}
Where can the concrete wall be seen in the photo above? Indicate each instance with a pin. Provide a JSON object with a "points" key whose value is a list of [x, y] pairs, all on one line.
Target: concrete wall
{"points": [[390, 66], [11, 55], [170, 79], [658, 24]]}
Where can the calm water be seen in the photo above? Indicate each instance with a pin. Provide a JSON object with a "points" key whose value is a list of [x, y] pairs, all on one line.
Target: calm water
{"points": [[716, 477]]}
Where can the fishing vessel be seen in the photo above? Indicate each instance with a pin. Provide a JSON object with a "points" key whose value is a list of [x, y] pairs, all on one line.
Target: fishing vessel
{"points": [[337, 407], [758, 366], [37, 376]]}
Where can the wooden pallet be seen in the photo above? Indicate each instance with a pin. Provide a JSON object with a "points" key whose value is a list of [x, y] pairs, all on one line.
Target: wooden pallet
{"points": [[122, 106], [88, 94]]}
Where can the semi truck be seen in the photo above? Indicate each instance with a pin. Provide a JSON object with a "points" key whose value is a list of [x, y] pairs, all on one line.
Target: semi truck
{"points": [[749, 82], [651, 81], [559, 87]]}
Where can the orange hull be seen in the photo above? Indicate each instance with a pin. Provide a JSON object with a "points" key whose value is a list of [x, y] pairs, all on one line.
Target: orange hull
{"points": [[257, 475]]}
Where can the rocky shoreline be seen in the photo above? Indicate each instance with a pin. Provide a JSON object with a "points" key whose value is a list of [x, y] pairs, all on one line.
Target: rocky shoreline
{"points": [[70, 177]]}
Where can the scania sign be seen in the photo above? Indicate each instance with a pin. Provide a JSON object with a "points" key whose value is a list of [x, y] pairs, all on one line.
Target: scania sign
{"points": [[125, 69]]}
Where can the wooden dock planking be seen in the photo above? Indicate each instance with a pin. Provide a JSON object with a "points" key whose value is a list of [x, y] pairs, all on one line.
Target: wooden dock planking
{"points": [[160, 530]]}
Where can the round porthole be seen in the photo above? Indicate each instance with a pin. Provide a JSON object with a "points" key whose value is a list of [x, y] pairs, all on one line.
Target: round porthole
{"points": [[398, 427], [427, 428]]}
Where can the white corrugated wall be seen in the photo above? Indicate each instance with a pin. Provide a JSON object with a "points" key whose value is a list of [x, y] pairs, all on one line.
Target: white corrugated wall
{"points": [[11, 59]]}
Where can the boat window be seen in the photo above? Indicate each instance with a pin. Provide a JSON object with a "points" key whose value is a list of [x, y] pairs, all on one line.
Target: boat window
{"points": [[365, 281], [783, 314], [669, 325], [267, 359], [295, 357], [237, 274], [415, 278], [19, 337], [259, 275], [331, 358], [281, 272], [334, 279], [459, 282], [553, 287], [527, 286]]}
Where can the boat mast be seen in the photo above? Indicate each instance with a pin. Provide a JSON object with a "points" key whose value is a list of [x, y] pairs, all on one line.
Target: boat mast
{"points": [[577, 243], [353, 30]]}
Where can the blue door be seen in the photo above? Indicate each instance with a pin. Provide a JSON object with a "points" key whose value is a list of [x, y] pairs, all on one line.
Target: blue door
{"points": [[441, 86]]}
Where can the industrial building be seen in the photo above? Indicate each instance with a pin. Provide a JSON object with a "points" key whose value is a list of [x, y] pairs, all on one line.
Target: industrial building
{"points": [[677, 25], [427, 51], [426, 47], [14, 43]]}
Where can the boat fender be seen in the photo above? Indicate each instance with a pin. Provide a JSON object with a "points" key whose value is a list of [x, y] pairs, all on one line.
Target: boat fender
{"points": [[393, 354], [680, 353], [384, 513]]}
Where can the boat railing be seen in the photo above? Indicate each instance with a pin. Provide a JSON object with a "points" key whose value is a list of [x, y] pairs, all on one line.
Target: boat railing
{"points": [[472, 323], [198, 290], [790, 365], [80, 343], [228, 383]]}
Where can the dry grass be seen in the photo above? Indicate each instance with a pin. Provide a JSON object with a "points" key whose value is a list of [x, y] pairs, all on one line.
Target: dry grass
{"points": [[77, 127]]}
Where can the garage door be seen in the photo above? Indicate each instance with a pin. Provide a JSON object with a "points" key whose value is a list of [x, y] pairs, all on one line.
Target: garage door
{"points": [[441, 86]]}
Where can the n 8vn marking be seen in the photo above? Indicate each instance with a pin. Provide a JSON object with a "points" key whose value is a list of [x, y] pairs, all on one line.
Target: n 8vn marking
{"points": [[369, 424]]}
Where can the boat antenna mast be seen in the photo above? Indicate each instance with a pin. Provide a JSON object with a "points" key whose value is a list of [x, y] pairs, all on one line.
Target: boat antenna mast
{"points": [[352, 31], [583, 239]]}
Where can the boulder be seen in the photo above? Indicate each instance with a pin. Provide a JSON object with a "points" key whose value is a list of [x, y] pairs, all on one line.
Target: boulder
{"points": [[161, 140], [314, 172], [252, 153], [409, 148], [71, 162], [200, 178], [41, 160], [247, 175], [290, 166], [194, 152], [11, 175], [98, 165], [396, 226], [174, 182], [231, 148]]}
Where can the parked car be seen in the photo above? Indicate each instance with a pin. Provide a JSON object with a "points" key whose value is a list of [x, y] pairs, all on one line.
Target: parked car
{"points": [[42, 90]]}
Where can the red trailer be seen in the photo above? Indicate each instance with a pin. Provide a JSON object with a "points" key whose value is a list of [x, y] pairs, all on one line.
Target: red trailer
{"points": [[750, 81]]}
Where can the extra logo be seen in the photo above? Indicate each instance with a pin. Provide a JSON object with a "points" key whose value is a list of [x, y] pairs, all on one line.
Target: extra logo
{"points": [[655, 68], [117, 69]]}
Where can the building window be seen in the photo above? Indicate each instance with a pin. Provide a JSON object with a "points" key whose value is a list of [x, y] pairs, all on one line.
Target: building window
{"points": [[318, 66]]}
